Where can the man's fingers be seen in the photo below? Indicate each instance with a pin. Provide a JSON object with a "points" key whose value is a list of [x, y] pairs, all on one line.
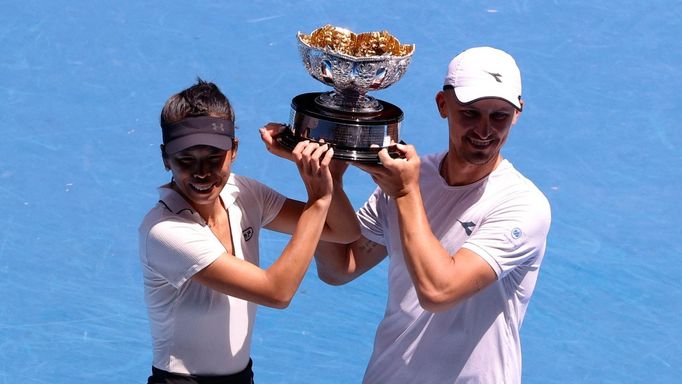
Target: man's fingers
{"points": [[408, 150], [384, 157]]}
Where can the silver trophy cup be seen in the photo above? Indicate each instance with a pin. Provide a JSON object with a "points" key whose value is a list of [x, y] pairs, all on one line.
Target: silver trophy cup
{"points": [[355, 124]]}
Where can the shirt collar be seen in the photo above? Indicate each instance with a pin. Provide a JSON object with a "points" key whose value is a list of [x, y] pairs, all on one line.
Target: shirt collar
{"points": [[230, 191], [173, 200]]}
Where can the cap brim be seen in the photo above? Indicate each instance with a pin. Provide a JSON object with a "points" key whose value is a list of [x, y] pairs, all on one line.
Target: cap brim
{"points": [[467, 95], [181, 143]]}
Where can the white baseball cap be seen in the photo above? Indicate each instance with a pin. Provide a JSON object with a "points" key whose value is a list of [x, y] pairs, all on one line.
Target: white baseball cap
{"points": [[482, 73]]}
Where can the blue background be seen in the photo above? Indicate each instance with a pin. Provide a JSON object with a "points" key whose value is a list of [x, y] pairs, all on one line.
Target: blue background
{"points": [[81, 87]]}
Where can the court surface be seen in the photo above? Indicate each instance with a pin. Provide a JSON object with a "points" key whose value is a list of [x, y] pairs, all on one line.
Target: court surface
{"points": [[81, 87]]}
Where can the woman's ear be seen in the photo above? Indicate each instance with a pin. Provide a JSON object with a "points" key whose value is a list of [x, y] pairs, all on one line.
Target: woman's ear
{"points": [[164, 157], [235, 146]]}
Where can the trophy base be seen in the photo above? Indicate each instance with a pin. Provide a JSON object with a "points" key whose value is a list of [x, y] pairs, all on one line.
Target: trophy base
{"points": [[370, 156], [355, 136]]}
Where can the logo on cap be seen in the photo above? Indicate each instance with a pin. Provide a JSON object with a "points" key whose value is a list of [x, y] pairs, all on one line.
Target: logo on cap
{"points": [[497, 76]]}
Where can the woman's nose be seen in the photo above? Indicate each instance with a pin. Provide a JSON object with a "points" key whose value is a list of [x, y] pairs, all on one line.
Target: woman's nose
{"points": [[201, 170]]}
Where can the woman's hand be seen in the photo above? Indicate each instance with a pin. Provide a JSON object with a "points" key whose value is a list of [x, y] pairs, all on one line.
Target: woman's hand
{"points": [[313, 163]]}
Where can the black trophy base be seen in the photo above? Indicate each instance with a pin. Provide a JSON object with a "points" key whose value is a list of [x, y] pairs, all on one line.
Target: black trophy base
{"points": [[355, 136], [368, 156]]}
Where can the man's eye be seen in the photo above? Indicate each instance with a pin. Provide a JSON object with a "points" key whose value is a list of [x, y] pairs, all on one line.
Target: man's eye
{"points": [[469, 113], [500, 116]]}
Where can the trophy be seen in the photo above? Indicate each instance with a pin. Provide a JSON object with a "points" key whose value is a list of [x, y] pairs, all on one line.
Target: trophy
{"points": [[356, 125]]}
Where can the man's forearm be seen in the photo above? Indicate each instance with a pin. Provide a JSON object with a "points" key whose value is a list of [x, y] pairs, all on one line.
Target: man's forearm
{"points": [[333, 263], [428, 262], [342, 223]]}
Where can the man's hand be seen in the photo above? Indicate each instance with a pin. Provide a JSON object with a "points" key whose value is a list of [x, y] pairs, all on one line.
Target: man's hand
{"points": [[396, 177]]}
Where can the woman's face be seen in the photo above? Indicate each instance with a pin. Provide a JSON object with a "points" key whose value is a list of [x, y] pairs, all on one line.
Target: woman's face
{"points": [[201, 172]]}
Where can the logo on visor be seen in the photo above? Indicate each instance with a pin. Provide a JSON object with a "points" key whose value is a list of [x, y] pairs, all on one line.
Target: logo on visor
{"points": [[218, 127]]}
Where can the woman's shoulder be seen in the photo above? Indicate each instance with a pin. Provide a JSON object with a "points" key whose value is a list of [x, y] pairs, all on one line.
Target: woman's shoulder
{"points": [[248, 191], [242, 181]]}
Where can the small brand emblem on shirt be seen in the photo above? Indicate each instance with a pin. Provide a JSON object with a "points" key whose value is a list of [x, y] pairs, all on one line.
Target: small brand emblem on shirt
{"points": [[248, 232], [468, 226]]}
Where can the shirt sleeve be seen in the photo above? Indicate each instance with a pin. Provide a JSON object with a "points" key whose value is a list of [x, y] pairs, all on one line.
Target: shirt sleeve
{"points": [[272, 203], [513, 235], [177, 249], [370, 216], [256, 195]]}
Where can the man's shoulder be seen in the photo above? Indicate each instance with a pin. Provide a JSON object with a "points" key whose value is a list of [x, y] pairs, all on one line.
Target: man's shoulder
{"points": [[430, 163], [515, 189], [506, 173], [433, 158]]}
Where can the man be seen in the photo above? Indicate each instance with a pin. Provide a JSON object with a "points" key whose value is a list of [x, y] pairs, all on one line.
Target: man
{"points": [[465, 233]]}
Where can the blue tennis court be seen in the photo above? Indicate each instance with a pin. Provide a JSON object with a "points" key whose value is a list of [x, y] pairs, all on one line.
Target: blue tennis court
{"points": [[81, 87]]}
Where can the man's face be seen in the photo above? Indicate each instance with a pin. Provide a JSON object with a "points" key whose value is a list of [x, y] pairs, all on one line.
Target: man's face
{"points": [[200, 172], [477, 130]]}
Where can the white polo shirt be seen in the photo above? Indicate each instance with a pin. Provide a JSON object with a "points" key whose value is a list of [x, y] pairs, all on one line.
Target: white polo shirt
{"points": [[504, 218], [195, 329]]}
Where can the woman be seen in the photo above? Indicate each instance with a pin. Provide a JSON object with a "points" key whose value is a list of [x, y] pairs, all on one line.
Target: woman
{"points": [[199, 244]]}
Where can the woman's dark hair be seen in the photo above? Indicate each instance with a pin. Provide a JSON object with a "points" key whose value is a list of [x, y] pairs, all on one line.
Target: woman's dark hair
{"points": [[201, 99]]}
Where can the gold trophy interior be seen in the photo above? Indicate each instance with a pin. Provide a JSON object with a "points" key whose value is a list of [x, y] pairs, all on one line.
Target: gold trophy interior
{"points": [[355, 124]]}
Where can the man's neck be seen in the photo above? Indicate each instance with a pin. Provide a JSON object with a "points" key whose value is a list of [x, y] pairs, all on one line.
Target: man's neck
{"points": [[458, 173]]}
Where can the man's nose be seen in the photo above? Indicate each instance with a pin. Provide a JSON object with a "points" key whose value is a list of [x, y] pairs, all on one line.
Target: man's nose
{"points": [[484, 128]]}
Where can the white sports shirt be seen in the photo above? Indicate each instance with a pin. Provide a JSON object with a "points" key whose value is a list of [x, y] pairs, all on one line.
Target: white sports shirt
{"points": [[504, 219], [195, 329]]}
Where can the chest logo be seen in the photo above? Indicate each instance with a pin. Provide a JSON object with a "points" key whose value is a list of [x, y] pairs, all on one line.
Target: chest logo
{"points": [[468, 226], [248, 232]]}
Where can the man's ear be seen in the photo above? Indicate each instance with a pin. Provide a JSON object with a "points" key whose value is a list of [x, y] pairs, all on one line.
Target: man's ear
{"points": [[440, 103], [164, 157], [518, 112]]}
